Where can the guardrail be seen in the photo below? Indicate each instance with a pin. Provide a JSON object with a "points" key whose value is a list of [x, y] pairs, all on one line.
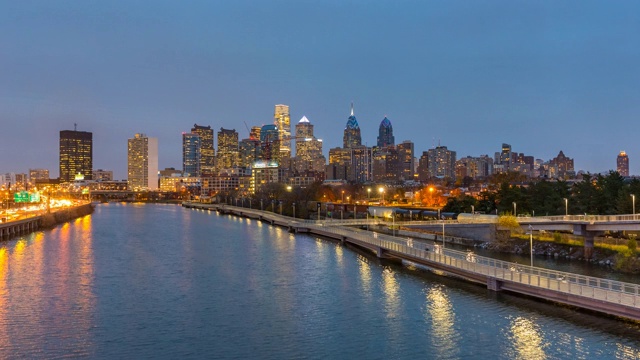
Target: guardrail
{"points": [[582, 218], [590, 287]]}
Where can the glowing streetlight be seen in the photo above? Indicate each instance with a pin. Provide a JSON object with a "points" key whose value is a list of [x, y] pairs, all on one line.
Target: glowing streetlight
{"points": [[368, 194], [514, 209], [566, 206], [633, 199], [381, 191]]}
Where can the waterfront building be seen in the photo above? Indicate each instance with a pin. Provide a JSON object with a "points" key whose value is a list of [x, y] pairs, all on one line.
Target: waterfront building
{"points": [[226, 182], [282, 122], [351, 137], [102, 175], [263, 173], [622, 163], [207, 152], [38, 174], [441, 162], [191, 154], [228, 156], [405, 160], [270, 143], [76, 154], [385, 134], [142, 163]]}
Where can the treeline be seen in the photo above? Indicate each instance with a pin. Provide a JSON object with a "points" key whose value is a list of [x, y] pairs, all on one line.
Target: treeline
{"points": [[609, 194]]}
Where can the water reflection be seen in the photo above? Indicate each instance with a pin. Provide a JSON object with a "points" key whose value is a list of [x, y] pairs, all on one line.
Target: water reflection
{"points": [[441, 314], [390, 288], [339, 255], [364, 269], [526, 339]]}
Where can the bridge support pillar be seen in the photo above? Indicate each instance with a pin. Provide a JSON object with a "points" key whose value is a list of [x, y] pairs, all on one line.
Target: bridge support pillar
{"points": [[589, 237], [380, 252], [494, 284]]}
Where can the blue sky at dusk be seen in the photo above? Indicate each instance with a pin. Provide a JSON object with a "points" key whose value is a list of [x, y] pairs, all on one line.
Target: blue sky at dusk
{"points": [[543, 76]]}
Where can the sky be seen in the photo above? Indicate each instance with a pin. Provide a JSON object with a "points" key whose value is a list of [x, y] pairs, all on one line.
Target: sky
{"points": [[543, 76]]}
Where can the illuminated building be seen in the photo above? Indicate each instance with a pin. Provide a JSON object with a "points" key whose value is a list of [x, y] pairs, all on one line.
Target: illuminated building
{"points": [[263, 173], [282, 120], [191, 154], [76, 154], [38, 174], [102, 175], [309, 155], [142, 163], [385, 164], [474, 167], [622, 164], [441, 162], [561, 167], [207, 152], [405, 160], [351, 137], [385, 134], [227, 149], [339, 164], [270, 143], [360, 164], [254, 133], [249, 152]]}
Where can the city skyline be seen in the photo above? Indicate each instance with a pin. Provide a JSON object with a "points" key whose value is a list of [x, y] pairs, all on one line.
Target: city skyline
{"points": [[541, 76]]}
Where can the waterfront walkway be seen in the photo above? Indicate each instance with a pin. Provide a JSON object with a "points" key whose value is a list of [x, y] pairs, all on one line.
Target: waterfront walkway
{"points": [[602, 295]]}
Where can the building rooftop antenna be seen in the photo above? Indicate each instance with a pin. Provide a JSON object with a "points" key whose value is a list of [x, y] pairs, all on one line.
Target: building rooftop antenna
{"points": [[75, 127]]}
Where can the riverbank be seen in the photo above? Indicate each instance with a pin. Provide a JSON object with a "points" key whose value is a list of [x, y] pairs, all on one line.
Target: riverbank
{"points": [[50, 220]]}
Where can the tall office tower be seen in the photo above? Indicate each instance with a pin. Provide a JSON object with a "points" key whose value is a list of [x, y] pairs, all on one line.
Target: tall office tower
{"points": [[505, 155], [308, 149], [281, 119], [423, 167], [360, 169], [385, 164], [405, 160], [270, 143], [142, 161], [249, 152], [351, 137], [385, 134], [191, 161], [227, 149], [623, 164], [442, 162], [207, 152], [76, 154]]}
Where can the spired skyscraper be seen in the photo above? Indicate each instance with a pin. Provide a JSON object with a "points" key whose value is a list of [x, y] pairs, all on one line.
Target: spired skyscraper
{"points": [[76, 154], [351, 136], [142, 162], [385, 134], [282, 121], [622, 164], [191, 154], [207, 152]]}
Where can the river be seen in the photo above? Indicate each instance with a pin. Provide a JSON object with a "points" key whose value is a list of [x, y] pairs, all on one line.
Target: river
{"points": [[161, 281]]}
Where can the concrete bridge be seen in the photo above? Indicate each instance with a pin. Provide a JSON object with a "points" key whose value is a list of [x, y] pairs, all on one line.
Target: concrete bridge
{"points": [[19, 227], [597, 294]]}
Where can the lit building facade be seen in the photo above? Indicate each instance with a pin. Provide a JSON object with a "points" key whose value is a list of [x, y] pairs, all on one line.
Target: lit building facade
{"points": [[207, 152], [76, 155], [282, 121], [385, 134], [142, 163], [622, 163], [309, 155], [191, 154], [441, 162], [385, 164], [249, 152], [102, 175], [405, 160], [38, 174], [227, 149], [270, 143], [352, 137]]}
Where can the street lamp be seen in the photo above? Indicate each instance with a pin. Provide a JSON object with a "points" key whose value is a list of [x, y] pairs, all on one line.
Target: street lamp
{"points": [[260, 204], [368, 194], [342, 197], [443, 235], [633, 199], [294, 210], [531, 243], [566, 206], [514, 209], [393, 222], [381, 191]]}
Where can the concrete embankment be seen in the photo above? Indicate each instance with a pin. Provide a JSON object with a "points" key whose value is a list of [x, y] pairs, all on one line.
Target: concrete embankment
{"points": [[52, 219], [34, 223]]}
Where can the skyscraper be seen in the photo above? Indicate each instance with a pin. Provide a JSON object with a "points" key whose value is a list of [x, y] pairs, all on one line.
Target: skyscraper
{"points": [[308, 149], [351, 137], [623, 164], [282, 121], [191, 154], [227, 148], [270, 143], [207, 152], [405, 160], [76, 154], [441, 162], [385, 134], [142, 162]]}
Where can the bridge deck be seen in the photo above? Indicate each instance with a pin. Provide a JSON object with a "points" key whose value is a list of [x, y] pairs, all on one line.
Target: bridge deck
{"points": [[603, 295]]}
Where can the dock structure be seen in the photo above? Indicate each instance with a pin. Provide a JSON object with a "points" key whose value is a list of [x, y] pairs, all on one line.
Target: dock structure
{"points": [[597, 294]]}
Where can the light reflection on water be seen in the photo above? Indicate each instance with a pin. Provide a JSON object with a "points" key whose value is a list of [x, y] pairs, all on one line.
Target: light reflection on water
{"points": [[160, 281]]}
